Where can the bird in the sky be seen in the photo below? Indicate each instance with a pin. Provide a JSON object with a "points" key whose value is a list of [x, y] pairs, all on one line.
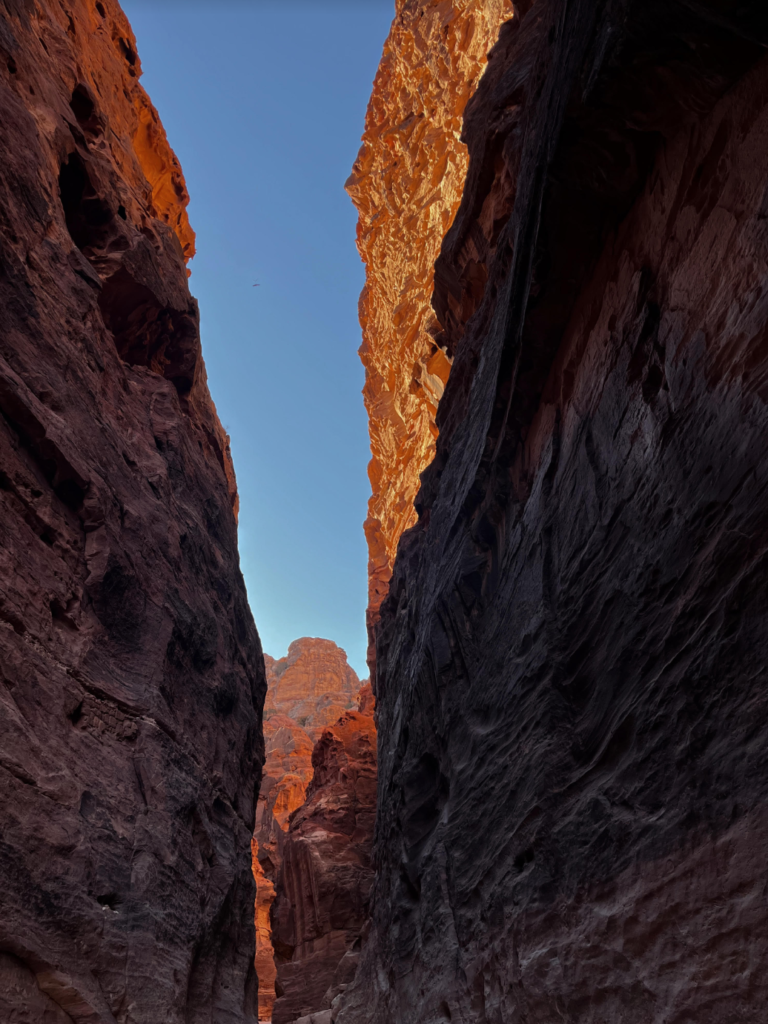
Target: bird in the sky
{"points": [[257, 285]]}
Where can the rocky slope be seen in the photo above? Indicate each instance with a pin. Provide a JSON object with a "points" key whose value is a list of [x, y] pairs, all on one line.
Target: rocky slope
{"points": [[131, 676], [314, 684], [573, 726], [406, 185], [325, 877]]}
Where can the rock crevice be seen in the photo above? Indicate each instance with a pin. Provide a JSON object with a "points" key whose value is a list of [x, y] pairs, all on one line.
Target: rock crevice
{"points": [[311, 761]]}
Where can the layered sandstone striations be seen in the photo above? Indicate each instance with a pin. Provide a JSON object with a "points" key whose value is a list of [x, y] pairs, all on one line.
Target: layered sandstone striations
{"points": [[326, 873], [406, 185], [573, 724], [313, 685], [131, 675]]}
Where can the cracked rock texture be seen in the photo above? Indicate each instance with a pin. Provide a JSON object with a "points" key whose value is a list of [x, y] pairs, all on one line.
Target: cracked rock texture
{"points": [[314, 684], [406, 185], [131, 675], [570, 664], [325, 877]]}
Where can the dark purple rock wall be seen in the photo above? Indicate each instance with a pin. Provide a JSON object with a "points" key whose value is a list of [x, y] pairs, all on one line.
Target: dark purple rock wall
{"points": [[571, 662], [131, 674]]}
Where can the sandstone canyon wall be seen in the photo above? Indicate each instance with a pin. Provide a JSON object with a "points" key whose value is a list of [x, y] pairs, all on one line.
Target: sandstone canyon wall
{"points": [[131, 675], [570, 663], [406, 185], [313, 685]]}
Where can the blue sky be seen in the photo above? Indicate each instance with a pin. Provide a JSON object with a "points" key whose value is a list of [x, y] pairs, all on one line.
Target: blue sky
{"points": [[264, 103]]}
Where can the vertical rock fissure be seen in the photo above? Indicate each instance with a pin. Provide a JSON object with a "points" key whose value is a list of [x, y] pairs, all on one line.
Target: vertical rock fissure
{"points": [[314, 829]]}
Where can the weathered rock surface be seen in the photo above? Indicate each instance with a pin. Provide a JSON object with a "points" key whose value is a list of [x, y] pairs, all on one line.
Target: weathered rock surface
{"points": [[406, 185], [570, 680], [314, 684], [326, 872], [131, 676]]}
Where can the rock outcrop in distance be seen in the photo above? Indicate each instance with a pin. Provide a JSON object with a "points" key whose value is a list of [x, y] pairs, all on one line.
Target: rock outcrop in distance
{"points": [[324, 884], [131, 674], [570, 662], [313, 685], [406, 185]]}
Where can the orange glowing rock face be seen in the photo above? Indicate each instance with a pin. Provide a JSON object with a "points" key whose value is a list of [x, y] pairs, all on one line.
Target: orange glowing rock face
{"points": [[138, 143], [406, 184], [264, 960], [308, 690], [313, 684]]}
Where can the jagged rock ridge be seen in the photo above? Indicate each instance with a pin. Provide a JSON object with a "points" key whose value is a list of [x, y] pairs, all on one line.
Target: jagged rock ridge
{"points": [[131, 675], [573, 727], [406, 185]]}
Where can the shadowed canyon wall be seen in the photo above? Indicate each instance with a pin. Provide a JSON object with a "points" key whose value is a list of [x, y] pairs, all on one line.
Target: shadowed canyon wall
{"points": [[406, 185], [570, 662], [131, 675], [308, 690]]}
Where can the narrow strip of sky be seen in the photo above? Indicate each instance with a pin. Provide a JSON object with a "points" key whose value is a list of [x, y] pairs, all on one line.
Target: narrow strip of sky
{"points": [[264, 104]]}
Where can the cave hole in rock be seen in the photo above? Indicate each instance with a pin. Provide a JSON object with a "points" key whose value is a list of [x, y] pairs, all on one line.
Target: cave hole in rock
{"points": [[109, 900], [76, 713], [88, 216], [83, 107]]}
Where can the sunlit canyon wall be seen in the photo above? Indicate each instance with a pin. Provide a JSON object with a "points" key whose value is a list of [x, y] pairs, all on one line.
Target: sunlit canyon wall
{"points": [[570, 662], [406, 185], [131, 675]]}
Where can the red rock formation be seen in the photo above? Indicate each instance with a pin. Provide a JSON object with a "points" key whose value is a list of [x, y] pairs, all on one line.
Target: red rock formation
{"points": [[573, 728], [326, 872], [131, 675], [315, 685], [406, 185]]}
